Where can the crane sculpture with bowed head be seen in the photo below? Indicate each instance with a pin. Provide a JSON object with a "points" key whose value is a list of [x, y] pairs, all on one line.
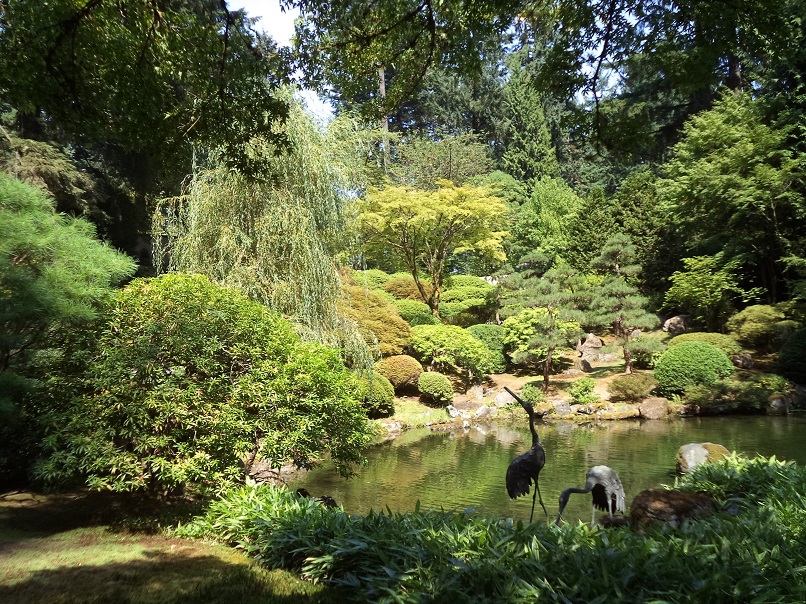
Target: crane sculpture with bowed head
{"points": [[605, 486], [525, 468]]}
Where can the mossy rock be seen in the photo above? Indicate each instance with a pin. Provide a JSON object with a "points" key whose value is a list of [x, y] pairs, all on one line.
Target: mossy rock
{"points": [[693, 455]]}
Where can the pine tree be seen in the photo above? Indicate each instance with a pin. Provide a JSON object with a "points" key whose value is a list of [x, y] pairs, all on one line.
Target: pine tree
{"points": [[555, 295], [617, 303]]}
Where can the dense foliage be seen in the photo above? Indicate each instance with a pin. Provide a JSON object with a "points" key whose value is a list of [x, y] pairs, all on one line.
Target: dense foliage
{"points": [[189, 383], [401, 370], [792, 357], [378, 320], [633, 388], [423, 228], [691, 363], [415, 312], [724, 342], [441, 556], [55, 275], [435, 388], [449, 348], [377, 395], [761, 326], [53, 270], [492, 336]]}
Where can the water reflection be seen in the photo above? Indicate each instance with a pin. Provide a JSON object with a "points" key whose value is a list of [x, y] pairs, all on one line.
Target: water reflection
{"points": [[463, 469]]}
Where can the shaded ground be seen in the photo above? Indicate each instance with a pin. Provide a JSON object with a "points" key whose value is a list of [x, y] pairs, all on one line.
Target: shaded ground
{"points": [[81, 548]]}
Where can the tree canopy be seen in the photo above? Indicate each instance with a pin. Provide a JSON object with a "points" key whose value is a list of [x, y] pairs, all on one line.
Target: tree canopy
{"points": [[423, 228]]}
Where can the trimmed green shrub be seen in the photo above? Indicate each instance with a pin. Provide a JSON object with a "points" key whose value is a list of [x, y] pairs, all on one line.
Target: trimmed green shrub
{"points": [[451, 348], [493, 337], [467, 300], [635, 387], [435, 388], [415, 312], [533, 393], [377, 318], [401, 370], [645, 351], [691, 363], [761, 326], [724, 342], [372, 278], [582, 393], [185, 381], [404, 288], [792, 357], [377, 395]]}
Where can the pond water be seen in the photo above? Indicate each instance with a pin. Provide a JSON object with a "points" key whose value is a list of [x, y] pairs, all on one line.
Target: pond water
{"points": [[467, 468]]}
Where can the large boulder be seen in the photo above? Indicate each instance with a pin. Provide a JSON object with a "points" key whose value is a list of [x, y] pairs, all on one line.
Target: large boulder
{"points": [[590, 348], [660, 506], [676, 325], [693, 455], [654, 407]]}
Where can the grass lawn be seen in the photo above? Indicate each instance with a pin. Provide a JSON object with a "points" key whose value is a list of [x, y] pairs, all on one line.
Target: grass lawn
{"points": [[64, 549]]}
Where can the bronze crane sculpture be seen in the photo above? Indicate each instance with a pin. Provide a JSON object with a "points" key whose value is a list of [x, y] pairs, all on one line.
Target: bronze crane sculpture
{"points": [[605, 486], [525, 468]]}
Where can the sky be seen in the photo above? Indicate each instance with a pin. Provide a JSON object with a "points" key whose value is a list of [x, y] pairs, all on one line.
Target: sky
{"points": [[280, 26]]}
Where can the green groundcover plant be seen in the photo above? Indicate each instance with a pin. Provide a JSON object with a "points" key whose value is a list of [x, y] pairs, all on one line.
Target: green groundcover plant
{"points": [[751, 551]]}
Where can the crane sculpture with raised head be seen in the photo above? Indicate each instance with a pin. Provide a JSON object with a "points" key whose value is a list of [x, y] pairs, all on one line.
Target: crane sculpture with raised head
{"points": [[605, 486], [525, 468]]}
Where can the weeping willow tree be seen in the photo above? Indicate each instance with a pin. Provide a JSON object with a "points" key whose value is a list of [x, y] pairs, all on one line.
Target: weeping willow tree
{"points": [[273, 234]]}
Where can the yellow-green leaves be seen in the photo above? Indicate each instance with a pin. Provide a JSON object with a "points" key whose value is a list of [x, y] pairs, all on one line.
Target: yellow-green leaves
{"points": [[424, 228]]}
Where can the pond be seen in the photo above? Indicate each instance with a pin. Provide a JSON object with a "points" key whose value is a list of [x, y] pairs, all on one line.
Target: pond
{"points": [[467, 468]]}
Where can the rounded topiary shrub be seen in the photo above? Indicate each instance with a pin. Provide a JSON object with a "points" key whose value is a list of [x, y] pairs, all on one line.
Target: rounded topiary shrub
{"points": [[435, 388], [635, 387], [401, 370], [724, 342], [405, 288], [415, 312], [761, 326], [691, 363], [377, 395], [792, 357], [449, 347], [372, 278], [493, 338], [377, 318]]}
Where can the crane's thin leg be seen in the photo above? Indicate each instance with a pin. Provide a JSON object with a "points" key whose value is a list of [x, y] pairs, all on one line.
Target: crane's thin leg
{"points": [[593, 516], [532, 515], [540, 497]]}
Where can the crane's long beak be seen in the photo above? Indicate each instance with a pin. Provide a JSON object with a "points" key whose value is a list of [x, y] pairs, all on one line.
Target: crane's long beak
{"points": [[517, 398]]}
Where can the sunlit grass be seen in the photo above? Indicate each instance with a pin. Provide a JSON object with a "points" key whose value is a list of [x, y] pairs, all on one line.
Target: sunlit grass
{"points": [[45, 562], [413, 414]]}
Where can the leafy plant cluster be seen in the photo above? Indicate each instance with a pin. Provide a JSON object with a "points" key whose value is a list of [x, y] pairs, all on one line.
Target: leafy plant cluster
{"points": [[451, 348], [749, 395], [726, 343], [761, 326], [754, 553], [401, 370], [377, 395], [691, 363], [435, 388], [582, 393], [188, 383], [492, 336], [792, 357], [633, 388]]}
